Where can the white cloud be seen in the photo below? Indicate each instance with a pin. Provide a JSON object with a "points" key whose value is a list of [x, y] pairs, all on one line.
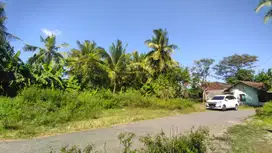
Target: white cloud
{"points": [[47, 32]]}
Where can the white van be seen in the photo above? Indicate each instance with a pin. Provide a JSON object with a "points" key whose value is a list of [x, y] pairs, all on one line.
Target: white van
{"points": [[223, 102]]}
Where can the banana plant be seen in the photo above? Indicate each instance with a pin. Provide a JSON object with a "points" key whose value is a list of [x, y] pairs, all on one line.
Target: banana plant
{"points": [[47, 75], [21, 72]]}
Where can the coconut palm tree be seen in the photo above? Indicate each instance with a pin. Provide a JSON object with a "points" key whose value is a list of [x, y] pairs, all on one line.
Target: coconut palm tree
{"points": [[262, 4], [115, 62], [88, 53], [84, 63], [159, 58], [47, 54]]}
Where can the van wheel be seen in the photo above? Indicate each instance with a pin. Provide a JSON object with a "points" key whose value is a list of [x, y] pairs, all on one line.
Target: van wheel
{"points": [[224, 108], [236, 107]]}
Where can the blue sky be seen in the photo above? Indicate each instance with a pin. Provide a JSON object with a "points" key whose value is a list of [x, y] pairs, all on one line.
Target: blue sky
{"points": [[210, 28]]}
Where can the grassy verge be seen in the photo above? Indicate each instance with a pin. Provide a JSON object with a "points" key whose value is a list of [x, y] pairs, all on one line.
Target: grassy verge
{"points": [[107, 118], [247, 138], [254, 136]]}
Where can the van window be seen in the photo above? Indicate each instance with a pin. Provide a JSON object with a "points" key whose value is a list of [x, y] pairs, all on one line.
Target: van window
{"points": [[230, 97], [218, 98]]}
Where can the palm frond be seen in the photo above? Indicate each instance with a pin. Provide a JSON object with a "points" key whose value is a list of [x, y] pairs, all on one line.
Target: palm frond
{"points": [[17, 55], [156, 56], [268, 16], [30, 48], [262, 4], [64, 45], [121, 62], [11, 36], [153, 45], [116, 51], [79, 44], [148, 41], [105, 55], [42, 39]]}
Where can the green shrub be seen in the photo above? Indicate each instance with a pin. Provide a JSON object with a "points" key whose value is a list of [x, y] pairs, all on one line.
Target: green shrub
{"points": [[194, 142], [102, 98], [132, 98], [10, 113], [35, 107], [44, 107], [160, 88], [266, 110]]}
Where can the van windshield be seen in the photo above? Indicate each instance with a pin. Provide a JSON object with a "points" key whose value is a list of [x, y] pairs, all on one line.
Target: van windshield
{"points": [[218, 98]]}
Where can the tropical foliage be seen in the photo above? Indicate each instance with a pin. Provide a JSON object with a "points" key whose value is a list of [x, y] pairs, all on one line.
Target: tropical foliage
{"points": [[64, 86], [114, 63], [48, 54], [92, 67], [159, 58], [84, 65], [265, 77], [13, 72]]}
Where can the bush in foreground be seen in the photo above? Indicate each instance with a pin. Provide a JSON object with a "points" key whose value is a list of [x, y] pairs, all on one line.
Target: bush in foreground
{"points": [[265, 111], [193, 142]]}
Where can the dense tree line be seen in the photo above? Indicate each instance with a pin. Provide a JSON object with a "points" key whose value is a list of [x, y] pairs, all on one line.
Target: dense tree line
{"points": [[90, 66]]}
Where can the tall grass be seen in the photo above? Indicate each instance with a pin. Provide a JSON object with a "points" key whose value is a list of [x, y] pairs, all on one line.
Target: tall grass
{"points": [[35, 107]]}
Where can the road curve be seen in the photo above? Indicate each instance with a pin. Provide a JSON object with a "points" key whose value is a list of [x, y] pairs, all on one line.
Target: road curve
{"points": [[215, 120]]}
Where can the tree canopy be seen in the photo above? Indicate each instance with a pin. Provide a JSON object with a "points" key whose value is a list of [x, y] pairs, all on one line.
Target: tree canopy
{"points": [[265, 77], [92, 67], [229, 66], [159, 58]]}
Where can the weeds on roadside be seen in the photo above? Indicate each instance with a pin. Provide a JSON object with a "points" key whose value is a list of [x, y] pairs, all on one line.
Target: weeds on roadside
{"points": [[194, 142], [75, 149]]}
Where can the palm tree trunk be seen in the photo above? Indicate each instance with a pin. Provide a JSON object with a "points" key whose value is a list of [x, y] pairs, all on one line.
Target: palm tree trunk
{"points": [[114, 87]]}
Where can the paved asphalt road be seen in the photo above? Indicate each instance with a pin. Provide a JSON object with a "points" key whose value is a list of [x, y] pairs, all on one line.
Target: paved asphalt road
{"points": [[215, 120]]}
